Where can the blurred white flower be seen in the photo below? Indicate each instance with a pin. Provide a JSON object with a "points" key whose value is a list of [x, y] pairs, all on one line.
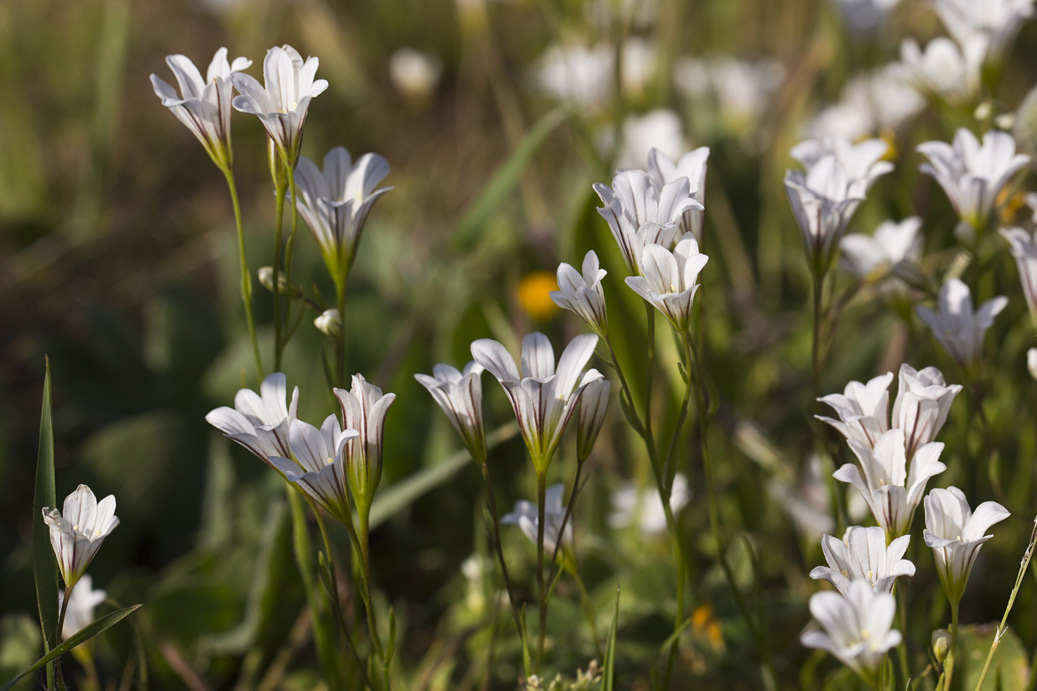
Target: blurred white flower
{"points": [[577, 74], [973, 175], [318, 465], [956, 326], [742, 90], [874, 256], [203, 105], [891, 490], [806, 501], [692, 165], [644, 508], [657, 129], [1024, 249], [335, 203], [364, 408], [870, 103], [641, 214], [80, 611], [77, 532], [856, 628], [459, 394], [524, 516], [1031, 362], [259, 422], [864, 16], [922, 404], [282, 103], [863, 409], [582, 293], [414, 73], [669, 280], [329, 323], [591, 408], [639, 66], [542, 397], [861, 162], [993, 22], [944, 69], [956, 533], [862, 554]]}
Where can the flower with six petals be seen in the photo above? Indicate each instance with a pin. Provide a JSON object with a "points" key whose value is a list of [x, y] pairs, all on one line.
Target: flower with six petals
{"points": [[669, 280], [957, 327], [78, 530], [582, 293], [260, 422], [862, 554]]}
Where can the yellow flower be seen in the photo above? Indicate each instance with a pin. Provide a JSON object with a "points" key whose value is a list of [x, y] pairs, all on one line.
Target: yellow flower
{"points": [[702, 622], [534, 295]]}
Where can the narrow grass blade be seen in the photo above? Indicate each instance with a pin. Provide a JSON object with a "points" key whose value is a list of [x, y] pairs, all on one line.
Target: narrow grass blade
{"points": [[608, 678], [45, 566]]}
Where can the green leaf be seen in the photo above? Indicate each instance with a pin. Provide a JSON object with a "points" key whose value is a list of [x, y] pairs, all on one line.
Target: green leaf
{"points": [[505, 179], [1008, 670], [45, 566], [102, 624], [608, 679]]}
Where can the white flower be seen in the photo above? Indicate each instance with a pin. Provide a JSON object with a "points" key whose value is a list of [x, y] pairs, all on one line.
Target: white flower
{"points": [[363, 409], [891, 491], [329, 323], [692, 166], [944, 69], [861, 163], [865, 16], [282, 103], [1031, 362], [259, 422], [80, 611], [459, 394], [669, 280], [77, 532], [582, 293], [972, 175], [857, 628], [590, 414], [922, 404], [865, 256], [640, 214], [414, 74], [956, 326], [741, 89], [542, 397], [870, 103], [577, 74], [956, 533], [644, 508], [317, 464], [657, 129], [806, 500], [1024, 249], [203, 105], [863, 409], [335, 203], [524, 516], [994, 22], [862, 554]]}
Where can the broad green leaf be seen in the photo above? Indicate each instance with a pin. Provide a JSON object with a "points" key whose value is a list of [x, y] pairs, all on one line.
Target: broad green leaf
{"points": [[1009, 668], [102, 624], [45, 566], [608, 679]]}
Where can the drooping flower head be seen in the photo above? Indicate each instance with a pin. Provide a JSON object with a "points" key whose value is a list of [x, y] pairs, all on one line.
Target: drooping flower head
{"points": [[260, 422], [862, 554], [691, 165], [459, 394], [582, 293], [956, 326], [364, 408], [669, 280], [77, 532], [281, 103], [956, 533], [524, 516], [542, 397], [335, 203], [203, 105]]}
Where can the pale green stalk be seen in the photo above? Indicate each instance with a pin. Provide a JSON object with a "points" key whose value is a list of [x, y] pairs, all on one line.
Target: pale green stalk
{"points": [[363, 519], [290, 249], [944, 683], [246, 277], [280, 192], [541, 590]]}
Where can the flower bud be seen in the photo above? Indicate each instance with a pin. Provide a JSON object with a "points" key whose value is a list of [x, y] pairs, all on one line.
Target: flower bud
{"points": [[415, 74], [329, 323], [941, 643], [590, 415], [1031, 362], [266, 279]]}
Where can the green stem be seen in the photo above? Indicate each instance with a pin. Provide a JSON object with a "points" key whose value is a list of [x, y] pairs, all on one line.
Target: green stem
{"points": [[246, 277], [340, 345], [290, 249], [280, 193], [541, 590], [948, 673], [815, 349], [58, 674], [363, 515]]}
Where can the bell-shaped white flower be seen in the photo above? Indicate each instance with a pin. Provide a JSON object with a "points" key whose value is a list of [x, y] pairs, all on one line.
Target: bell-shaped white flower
{"points": [[863, 409], [582, 293], [923, 402], [542, 397], [640, 214], [669, 280], [993, 22], [281, 103], [863, 554], [591, 408], [891, 490], [1024, 249], [956, 533], [973, 175], [203, 105], [80, 611], [317, 464], [335, 203], [861, 162], [873, 256], [956, 326], [77, 532], [459, 394], [644, 508], [259, 422], [857, 629], [524, 515], [692, 166], [944, 69], [363, 409]]}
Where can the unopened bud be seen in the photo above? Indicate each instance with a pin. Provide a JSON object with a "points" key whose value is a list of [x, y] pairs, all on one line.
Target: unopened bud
{"points": [[1031, 362], [329, 323], [983, 110], [941, 642], [266, 279], [414, 74], [965, 234]]}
